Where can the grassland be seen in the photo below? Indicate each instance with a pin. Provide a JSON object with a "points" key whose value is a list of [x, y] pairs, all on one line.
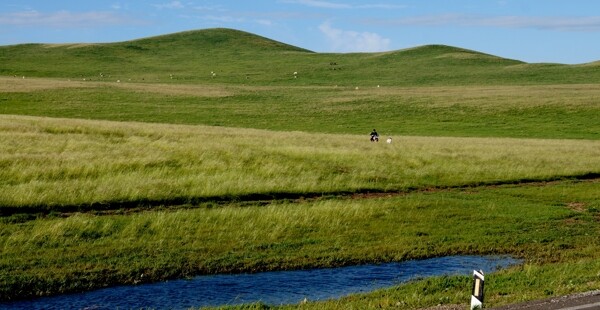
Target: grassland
{"points": [[539, 111], [172, 172]]}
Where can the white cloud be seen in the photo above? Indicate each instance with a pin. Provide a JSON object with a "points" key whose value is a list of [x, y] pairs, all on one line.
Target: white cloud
{"points": [[590, 23], [352, 41], [65, 19]]}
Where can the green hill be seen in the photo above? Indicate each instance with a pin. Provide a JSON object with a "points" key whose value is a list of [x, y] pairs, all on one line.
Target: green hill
{"points": [[239, 57], [215, 40]]}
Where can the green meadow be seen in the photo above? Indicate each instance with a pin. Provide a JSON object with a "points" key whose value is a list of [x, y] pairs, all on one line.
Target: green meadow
{"points": [[203, 153]]}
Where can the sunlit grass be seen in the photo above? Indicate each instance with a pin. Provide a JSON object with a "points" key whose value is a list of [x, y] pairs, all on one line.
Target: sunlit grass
{"points": [[54, 162]]}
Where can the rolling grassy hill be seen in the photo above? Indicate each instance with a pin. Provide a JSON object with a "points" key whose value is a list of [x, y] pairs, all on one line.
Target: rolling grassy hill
{"points": [[428, 90], [242, 58]]}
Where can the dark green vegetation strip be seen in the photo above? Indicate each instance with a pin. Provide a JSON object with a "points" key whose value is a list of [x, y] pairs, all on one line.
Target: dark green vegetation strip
{"points": [[23, 213]]}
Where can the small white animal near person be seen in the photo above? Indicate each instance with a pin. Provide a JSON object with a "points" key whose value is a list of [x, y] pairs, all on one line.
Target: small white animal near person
{"points": [[389, 140]]}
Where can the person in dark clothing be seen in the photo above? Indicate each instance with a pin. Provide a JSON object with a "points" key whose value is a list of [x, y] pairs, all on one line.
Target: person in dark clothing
{"points": [[374, 136]]}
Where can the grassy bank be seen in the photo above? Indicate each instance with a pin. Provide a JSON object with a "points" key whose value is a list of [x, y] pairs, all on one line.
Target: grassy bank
{"points": [[65, 165]]}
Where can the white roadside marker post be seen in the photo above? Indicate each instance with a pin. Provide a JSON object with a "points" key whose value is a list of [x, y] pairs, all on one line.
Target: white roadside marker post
{"points": [[477, 295]]}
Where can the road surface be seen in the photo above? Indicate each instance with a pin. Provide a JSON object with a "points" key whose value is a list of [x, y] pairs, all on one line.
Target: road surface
{"points": [[581, 301]]}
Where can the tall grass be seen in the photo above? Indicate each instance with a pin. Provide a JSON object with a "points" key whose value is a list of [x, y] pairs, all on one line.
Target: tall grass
{"points": [[55, 162]]}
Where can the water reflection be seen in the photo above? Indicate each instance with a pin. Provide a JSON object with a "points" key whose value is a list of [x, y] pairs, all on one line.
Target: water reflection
{"points": [[282, 287]]}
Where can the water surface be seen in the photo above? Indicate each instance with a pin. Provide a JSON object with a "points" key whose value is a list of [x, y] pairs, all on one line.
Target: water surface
{"points": [[274, 288]]}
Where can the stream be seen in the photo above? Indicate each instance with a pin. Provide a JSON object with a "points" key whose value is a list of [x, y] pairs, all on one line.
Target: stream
{"points": [[273, 288]]}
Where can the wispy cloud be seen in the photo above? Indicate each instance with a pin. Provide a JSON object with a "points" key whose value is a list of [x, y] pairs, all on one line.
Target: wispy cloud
{"points": [[591, 23], [555, 23], [229, 19], [217, 8], [223, 19], [319, 4], [381, 6], [65, 19], [340, 5], [353, 41], [169, 5], [264, 22]]}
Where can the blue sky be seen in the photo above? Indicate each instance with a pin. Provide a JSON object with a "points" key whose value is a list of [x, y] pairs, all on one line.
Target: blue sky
{"points": [[562, 31]]}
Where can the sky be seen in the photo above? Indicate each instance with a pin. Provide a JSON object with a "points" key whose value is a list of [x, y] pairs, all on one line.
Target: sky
{"points": [[535, 31]]}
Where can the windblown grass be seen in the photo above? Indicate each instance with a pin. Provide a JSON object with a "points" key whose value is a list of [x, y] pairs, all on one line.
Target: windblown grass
{"points": [[49, 163]]}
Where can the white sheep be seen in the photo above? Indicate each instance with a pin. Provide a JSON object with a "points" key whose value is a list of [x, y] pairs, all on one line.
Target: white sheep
{"points": [[389, 140]]}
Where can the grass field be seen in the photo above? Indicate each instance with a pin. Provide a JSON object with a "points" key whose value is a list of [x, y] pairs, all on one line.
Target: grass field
{"points": [[172, 172], [542, 111], [53, 163]]}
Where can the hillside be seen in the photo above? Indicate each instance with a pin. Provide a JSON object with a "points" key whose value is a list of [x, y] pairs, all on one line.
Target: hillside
{"points": [[218, 39], [238, 57]]}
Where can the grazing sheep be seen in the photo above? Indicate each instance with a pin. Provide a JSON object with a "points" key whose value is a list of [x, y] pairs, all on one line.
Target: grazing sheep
{"points": [[389, 140]]}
